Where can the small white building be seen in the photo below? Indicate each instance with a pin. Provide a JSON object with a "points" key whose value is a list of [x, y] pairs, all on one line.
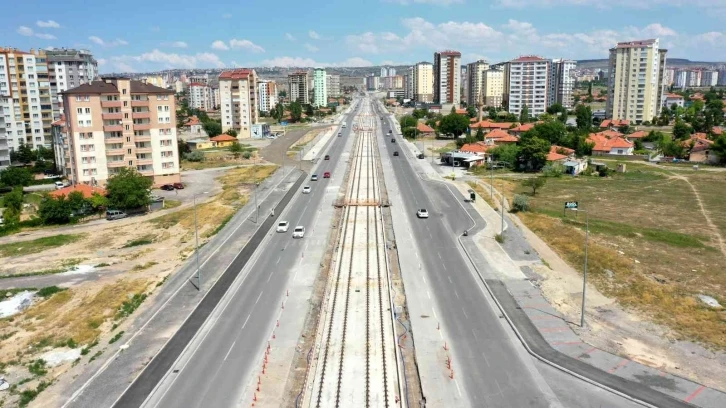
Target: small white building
{"points": [[670, 99]]}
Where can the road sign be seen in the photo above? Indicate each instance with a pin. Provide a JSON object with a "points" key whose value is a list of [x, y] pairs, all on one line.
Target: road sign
{"points": [[571, 205], [283, 123]]}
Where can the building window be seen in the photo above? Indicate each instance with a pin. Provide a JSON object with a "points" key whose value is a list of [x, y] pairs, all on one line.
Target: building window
{"points": [[88, 110], [123, 91], [80, 111]]}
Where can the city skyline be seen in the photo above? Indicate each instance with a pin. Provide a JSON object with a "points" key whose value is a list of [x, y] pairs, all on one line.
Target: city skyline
{"points": [[409, 31]]}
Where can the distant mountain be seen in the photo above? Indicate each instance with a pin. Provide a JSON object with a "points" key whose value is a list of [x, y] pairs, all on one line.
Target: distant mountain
{"points": [[671, 62]]}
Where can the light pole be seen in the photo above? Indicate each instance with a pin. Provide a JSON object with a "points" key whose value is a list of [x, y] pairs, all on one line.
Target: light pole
{"points": [[584, 274], [196, 240]]}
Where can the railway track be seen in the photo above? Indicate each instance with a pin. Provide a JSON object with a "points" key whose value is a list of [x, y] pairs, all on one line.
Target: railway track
{"points": [[356, 355]]}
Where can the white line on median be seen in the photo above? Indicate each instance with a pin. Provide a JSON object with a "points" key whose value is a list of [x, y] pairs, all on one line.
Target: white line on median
{"points": [[247, 319], [258, 297], [230, 350]]}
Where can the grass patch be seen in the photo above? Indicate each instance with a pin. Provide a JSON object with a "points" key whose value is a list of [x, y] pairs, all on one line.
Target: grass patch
{"points": [[171, 204], [499, 238], [49, 291], [87, 349], [101, 265], [37, 368], [145, 240], [116, 337], [447, 148], [128, 307], [95, 356], [219, 227], [145, 266], [38, 245], [27, 396]]}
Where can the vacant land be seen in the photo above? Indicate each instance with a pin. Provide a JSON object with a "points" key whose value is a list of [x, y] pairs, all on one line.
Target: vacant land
{"points": [[221, 158], [656, 240], [38, 245]]}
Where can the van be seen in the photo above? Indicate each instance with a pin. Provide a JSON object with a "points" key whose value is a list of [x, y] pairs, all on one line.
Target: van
{"points": [[115, 215]]}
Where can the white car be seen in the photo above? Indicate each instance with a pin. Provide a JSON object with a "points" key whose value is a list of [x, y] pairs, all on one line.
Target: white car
{"points": [[298, 232], [282, 226], [306, 190], [314, 177], [422, 213]]}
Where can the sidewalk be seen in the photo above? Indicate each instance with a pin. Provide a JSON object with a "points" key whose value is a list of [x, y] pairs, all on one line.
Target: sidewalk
{"points": [[315, 148]]}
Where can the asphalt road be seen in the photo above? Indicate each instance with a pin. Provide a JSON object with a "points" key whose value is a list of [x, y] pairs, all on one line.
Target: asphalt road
{"points": [[493, 366], [216, 367]]}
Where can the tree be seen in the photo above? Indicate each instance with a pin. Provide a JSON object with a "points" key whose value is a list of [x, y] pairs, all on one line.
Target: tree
{"points": [[236, 149], [491, 113], [282, 94], [16, 176], [98, 202], [453, 124], [524, 114], [624, 129], [534, 183], [212, 128], [408, 121], [409, 132], [681, 130], [14, 199], [231, 132], [309, 110], [507, 153], [76, 202], [183, 147], [43, 153], [559, 111], [533, 152], [295, 111], [55, 210], [419, 113], [479, 134], [278, 112], [24, 154], [553, 131], [128, 189], [719, 147], [584, 117], [589, 89], [471, 111]]}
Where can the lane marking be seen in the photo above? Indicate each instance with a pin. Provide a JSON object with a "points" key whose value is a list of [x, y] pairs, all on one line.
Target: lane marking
{"points": [[429, 294], [230, 350], [695, 393], [258, 297], [438, 253], [278, 260], [449, 276], [424, 279], [465, 315], [434, 310], [444, 265], [245, 323], [457, 387], [457, 294], [474, 333]]}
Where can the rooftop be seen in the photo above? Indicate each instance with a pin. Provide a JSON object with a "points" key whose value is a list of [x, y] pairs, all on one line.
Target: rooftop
{"points": [[635, 44], [108, 86], [84, 189], [528, 58], [235, 74]]}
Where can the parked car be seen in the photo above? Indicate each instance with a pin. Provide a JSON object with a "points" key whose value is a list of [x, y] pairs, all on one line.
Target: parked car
{"points": [[167, 187], [314, 177], [326, 174], [422, 213], [115, 215], [340, 134], [393, 140], [282, 226], [59, 185], [395, 153], [327, 157], [306, 190], [298, 232], [421, 156], [178, 186]]}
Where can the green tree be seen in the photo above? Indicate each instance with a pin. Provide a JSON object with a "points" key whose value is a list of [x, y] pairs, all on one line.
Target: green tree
{"points": [[479, 134], [97, 202], [408, 121], [309, 110], [553, 131], [584, 117], [507, 153], [282, 94], [535, 183], [681, 130], [589, 89], [524, 114], [43, 153], [419, 113], [409, 132], [471, 111], [236, 149], [55, 210], [558, 111], [453, 124], [719, 147], [183, 147], [533, 152], [295, 111], [231, 132], [14, 199], [128, 189], [491, 113], [278, 112], [16, 176], [624, 129], [24, 154], [76, 202], [212, 128]]}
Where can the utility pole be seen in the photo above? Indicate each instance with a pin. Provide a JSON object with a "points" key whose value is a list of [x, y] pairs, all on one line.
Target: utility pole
{"points": [[196, 242], [584, 274]]}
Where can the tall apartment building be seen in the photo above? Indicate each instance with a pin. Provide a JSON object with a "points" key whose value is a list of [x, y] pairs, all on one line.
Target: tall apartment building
{"points": [[333, 85], [238, 101], [373, 83], [447, 77], [722, 76], [267, 98], [26, 98], [693, 78], [117, 122], [320, 86], [215, 96], [199, 78], [669, 77], [4, 151], [709, 78], [679, 78], [298, 85], [423, 82], [156, 80], [492, 87], [526, 83], [635, 85], [561, 82], [474, 82], [200, 96], [68, 68], [61, 147], [408, 84]]}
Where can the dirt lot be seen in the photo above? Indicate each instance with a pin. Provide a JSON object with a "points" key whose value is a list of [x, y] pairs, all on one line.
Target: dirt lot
{"points": [[136, 259]]}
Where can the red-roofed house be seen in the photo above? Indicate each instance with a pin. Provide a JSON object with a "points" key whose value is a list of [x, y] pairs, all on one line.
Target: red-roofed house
{"points": [[479, 148], [605, 145], [717, 131], [499, 136], [559, 153], [672, 98], [614, 123], [486, 125], [522, 128], [85, 189], [700, 149], [223, 140], [636, 135], [697, 96], [423, 129], [194, 125], [610, 133]]}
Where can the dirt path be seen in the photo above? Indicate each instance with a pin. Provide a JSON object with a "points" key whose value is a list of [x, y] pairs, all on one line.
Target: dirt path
{"points": [[276, 152]]}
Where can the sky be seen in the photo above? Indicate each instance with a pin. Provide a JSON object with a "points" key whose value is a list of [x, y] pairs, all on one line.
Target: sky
{"points": [[147, 36]]}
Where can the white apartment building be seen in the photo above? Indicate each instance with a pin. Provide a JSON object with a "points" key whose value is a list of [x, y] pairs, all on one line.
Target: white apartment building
{"points": [[320, 85], [408, 84], [722, 76], [215, 96], [238, 101], [635, 84], [447, 77], [199, 78], [526, 83], [117, 122], [475, 81], [267, 98], [493, 87], [423, 82], [373, 83], [26, 99], [4, 151], [200, 96], [670, 77], [333, 85], [156, 80], [679, 78], [298, 85], [709, 78], [68, 68], [178, 86], [693, 78], [561, 82]]}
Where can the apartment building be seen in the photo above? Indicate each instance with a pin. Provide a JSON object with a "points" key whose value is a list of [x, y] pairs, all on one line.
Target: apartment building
{"points": [[447, 77], [373, 83], [693, 78], [215, 96], [635, 85], [475, 81], [4, 151], [68, 68], [117, 122], [670, 77], [423, 82], [722, 76], [199, 78], [320, 86], [709, 78], [561, 82], [156, 80], [492, 87], [200, 96], [238, 101], [526, 83], [333, 86], [298, 85], [26, 98], [267, 95], [679, 78], [61, 147], [408, 84]]}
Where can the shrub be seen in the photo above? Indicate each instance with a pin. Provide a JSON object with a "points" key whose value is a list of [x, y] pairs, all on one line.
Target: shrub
{"points": [[246, 154], [195, 156], [49, 291], [553, 170], [520, 203]]}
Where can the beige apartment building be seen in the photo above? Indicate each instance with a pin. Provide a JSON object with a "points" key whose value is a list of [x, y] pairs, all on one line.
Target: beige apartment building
{"points": [[635, 85], [423, 82], [492, 87], [475, 82], [447, 77], [299, 88], [117, 122], [238, 101]]}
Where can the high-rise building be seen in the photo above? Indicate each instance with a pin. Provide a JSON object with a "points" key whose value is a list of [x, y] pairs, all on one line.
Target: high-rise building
{"points": [[333, 86], [215, 96], [408, 84], [635, 85], [423, 82], [200, 96], [238, 101], [525, 84], [722, 75], [61, 147], [492, 87], [474, 82], [373, 83], [709, 78], [320, 86], [391, 71], [447, 77], [117, 122], [268, 95], [4, 151], [298, 84], [156, 80], [68, 68], [679, 78], [693, 78], [27, 99], [670, 77], [384, 72], [561, 82]]}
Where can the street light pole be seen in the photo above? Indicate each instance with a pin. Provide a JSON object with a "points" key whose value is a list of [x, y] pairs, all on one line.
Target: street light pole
{"points": [[196, 239], [584, 274]]}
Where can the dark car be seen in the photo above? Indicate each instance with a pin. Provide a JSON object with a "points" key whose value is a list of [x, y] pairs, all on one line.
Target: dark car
{"points": [[167, 187], [420, 156], [393, 140], [327, 157], [178, 186], [395, 153]]}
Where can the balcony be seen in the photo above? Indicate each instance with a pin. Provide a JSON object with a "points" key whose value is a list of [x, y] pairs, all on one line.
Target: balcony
{"points": [[141, 115], [115, 152], [110, 104], [142, 126], [113, 128], [142, 138], [116, 163], [143, 150], [145, 170], [146, 161], [112, 116], [136, 104]]}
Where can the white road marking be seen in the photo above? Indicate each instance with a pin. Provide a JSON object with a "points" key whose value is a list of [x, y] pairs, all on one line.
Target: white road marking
{"points": [[465, 315], [434, 310], [475, 336], [278, 260], [457, 387], [444, 265], [439, 254], [229, 351], [457, 294], [258, 297], [449, 276], [246, 320], [424, 279], [429, 294]]}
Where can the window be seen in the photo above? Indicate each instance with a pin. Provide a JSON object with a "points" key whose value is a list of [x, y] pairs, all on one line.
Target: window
{"points": [[126, 103], [88, 123], [159, 108], [131, 163], [88, 110], [80, 123], [80, 111], [78, 99]]}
